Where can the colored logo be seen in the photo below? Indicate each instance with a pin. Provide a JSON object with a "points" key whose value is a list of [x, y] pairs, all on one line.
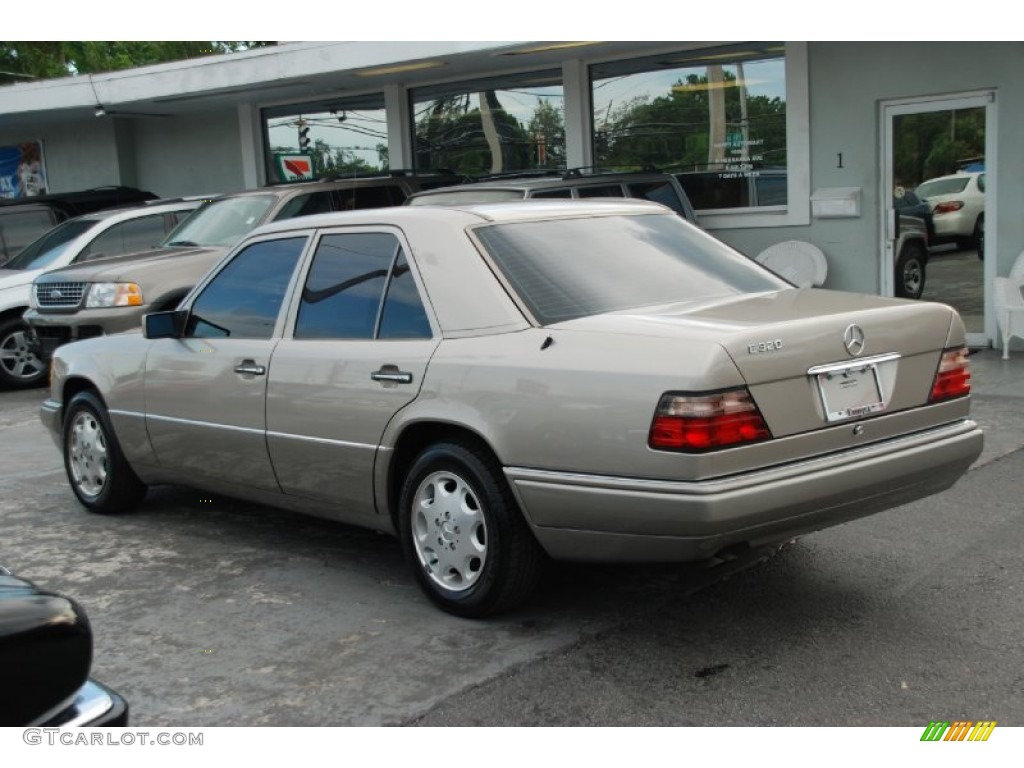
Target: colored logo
{"points": [[959, 730], [295, 167]]}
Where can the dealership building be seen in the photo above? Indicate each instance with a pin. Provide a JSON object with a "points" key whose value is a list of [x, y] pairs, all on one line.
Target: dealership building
{"points": [[774, 141]]}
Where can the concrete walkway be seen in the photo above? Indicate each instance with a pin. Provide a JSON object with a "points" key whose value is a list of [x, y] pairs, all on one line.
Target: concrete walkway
{"points": [[997, 401]]}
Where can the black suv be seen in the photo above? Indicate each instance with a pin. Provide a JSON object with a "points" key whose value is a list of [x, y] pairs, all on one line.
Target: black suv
{"points": [[111, 295], [25, 219], [561, 185]]}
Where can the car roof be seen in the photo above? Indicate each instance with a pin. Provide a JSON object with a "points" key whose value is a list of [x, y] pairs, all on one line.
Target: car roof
{"points": [[470, 213], [143, 209]]}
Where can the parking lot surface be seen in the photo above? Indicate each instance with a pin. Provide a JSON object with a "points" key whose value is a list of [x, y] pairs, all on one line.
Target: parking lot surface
{"points": [[213, 612]]}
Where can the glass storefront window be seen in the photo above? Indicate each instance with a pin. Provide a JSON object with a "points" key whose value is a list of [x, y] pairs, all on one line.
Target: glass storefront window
{"points": [[342, 136], [492, 125], [715, 118]]}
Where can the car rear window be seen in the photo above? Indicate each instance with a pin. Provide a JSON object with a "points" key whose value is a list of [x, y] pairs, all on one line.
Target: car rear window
{"points": [[943, 186], [563, 269]]}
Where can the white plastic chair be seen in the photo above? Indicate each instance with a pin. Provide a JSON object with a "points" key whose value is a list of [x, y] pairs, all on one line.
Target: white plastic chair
{"points": [[1009, 311], [803, 264], [1017, 270]]}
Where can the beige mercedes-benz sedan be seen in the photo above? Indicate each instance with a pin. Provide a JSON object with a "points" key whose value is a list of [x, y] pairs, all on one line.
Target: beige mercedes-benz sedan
{"points": [[500, 383]]}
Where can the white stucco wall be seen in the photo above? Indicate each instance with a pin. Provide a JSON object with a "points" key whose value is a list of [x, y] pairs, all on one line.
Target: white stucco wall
{"points": [[195, 154]]}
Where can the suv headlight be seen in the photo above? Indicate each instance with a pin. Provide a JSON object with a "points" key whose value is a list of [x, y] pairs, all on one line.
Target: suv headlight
{"points": [[114, 295]]}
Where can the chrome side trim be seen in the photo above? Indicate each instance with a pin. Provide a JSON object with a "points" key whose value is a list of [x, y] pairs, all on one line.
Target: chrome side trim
{"points": [[119, 412], [250, 430], [747, 479], [320, 440], [192, 423]]}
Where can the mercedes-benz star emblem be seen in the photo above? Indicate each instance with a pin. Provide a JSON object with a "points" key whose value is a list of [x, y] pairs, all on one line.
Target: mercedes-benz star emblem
{"points": [[853, 339]]}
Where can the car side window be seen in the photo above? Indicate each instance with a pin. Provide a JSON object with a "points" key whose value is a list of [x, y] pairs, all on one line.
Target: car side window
{"points": [[306, 205], [403, 316], [553, 193], [135, 235], [377, 196], [659, 192], [244, 299], [347, 293]]}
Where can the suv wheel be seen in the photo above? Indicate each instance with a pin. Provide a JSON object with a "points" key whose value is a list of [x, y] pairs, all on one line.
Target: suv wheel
{"points": [[910, 271], [19, 366]]}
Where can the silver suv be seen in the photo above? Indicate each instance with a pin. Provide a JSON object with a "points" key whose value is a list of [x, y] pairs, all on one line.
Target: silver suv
{"points": [[573, 184]]}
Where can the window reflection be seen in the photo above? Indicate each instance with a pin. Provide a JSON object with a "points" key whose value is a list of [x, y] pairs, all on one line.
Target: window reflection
{"points": [[717, 118], [492, 125]]}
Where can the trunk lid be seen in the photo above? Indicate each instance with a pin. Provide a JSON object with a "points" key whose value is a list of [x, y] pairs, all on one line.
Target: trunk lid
{"points": [[780, 341]]}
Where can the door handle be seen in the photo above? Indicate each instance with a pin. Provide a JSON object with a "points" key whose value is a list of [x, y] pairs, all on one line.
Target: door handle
{"points": [[250, 367], [392, 374]]}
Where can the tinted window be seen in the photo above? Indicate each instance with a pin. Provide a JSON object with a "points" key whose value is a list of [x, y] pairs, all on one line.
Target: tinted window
{"points": [[772, 189], [244, 299], [403, 316], [44, 251], [568, 268], [342, 295], [948, 186], [306, 205], [659, 192], [368, 197], [981, 182], [126, 237], [553, 193]]}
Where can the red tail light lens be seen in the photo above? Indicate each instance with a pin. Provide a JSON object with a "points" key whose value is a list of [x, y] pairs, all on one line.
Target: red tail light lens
{"points": [[953, 379], [948, 207], [706, 422]]}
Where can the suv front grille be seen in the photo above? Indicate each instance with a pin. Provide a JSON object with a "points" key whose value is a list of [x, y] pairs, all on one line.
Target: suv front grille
{"points": [[59, 294]]}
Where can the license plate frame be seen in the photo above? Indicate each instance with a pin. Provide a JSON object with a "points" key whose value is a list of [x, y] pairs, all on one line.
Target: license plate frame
{"points": [[851, 390]]}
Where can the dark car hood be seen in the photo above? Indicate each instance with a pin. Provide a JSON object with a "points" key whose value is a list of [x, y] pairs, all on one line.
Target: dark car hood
{"points": [[125, 267], [46, 648]]}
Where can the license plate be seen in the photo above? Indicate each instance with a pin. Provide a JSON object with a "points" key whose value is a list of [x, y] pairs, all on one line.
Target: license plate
{"points": [[851, 390]]}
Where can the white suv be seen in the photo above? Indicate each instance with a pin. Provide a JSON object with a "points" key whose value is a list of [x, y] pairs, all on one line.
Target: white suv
{"points": [[103, 234]]}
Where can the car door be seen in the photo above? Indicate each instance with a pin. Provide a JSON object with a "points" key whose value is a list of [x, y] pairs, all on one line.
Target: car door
{"points": [[205, 393], [361, 341]]}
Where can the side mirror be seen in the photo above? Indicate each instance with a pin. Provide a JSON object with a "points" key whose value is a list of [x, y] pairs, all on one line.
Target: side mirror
{"points": [[165, 325]]}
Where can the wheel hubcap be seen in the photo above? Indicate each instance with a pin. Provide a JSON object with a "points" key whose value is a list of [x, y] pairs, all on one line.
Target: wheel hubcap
{"points": [[448, 531], [87, 454], [17, 359], [912, 277]]}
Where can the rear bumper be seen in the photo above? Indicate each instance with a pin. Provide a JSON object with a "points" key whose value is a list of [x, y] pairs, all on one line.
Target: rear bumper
{"points": [[588, 517]]}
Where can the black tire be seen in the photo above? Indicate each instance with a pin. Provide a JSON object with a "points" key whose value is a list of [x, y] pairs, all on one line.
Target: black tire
{"points": [[910, 271], [978, 237], [486, 527], [20, 368], [100, 476]]}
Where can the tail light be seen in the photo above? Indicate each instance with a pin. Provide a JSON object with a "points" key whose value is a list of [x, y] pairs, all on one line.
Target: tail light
{"points": [[953, 378], [948, 207], [706, 421]]}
